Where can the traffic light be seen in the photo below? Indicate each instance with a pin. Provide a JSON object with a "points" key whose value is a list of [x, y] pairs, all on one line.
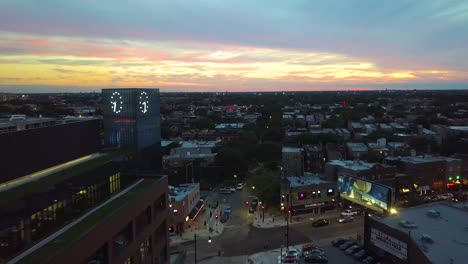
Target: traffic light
{"points": [[216, 216], [263, 206], [450, 178], [458, 177], [247, 203]]}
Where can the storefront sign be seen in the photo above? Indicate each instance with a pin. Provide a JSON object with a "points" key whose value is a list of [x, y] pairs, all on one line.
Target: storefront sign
{"points": [[389, 244]]}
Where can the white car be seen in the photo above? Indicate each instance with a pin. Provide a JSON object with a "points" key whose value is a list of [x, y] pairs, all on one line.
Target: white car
{"points": [[233, 189], [225, 190], [292, 251], [240, 186], [446, 196], [349, 213]]}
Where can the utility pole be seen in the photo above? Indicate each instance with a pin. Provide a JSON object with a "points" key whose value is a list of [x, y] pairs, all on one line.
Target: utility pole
{"points": [[195, 236]]}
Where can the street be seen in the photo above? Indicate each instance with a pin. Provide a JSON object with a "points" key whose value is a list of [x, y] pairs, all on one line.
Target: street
{"points": [[241, 238]]}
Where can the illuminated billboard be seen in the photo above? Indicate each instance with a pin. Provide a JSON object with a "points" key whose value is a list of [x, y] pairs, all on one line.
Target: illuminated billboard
{"points": [[368, 194]]}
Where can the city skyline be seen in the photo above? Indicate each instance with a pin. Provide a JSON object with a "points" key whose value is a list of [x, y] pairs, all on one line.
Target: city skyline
{"points": [[55, 46]]}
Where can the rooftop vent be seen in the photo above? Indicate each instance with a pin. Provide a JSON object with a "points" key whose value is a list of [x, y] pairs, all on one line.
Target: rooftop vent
{"points": [[427, 239], [407, 224], [433, 214]]}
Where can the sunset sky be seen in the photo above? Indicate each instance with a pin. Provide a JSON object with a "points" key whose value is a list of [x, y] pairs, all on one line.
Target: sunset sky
{"points": [[241, 45]]}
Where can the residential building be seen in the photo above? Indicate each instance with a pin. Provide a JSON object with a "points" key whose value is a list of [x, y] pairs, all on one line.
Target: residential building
{"points": [[184, 205], [314, 158], [376, 172], [309, 194], [334, 152], [428, 172], [293, 161], [189, 151], [356, 150]]}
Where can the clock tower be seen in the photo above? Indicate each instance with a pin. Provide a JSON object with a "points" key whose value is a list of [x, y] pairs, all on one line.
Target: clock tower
{"points": [[132, 121]]}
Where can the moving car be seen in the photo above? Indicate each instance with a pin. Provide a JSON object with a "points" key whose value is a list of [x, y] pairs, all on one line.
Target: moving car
{"points": [[240, 186], [252, 209], [353, 249], [345, 219], [315, 259], [346, 245], [338, 242], [350, 213], [320, 222], [361, 254], [232, 188]]}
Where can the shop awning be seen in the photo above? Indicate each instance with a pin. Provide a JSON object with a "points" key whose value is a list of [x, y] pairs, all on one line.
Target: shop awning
{"points": [[193, 214]]}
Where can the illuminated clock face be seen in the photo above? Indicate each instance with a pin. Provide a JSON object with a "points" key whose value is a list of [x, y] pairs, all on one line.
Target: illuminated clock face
{"points": [[116, 102], [143, 101]]}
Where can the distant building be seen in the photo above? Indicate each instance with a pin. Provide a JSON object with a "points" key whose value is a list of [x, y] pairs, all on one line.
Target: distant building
{"points": [[4, 97], [314, 158], [309, 194], [356, 150], [432, 233], [189, 151], [293, 161], [184, 205], [375, 172], [356, 127], [132, 121], [428, 172]]}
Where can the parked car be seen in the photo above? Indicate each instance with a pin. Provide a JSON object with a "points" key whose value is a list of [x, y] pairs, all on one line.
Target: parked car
{"points": [[338, 242], [368, 260], [292, 251], [224, 218], [360, 255], [290, 259], [309, 247], [315, 252], [353, 249], [315, 259], [320, 222], [240, 186], [347, 244], [350, 213], [345, 219], [446, 196]]}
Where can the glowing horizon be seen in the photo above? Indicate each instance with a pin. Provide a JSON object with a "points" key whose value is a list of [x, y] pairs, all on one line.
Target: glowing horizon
{"points": [[61, 52]]}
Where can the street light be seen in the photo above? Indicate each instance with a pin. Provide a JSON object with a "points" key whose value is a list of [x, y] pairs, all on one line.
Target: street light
{"points": [[209, 239], [253, 187]]}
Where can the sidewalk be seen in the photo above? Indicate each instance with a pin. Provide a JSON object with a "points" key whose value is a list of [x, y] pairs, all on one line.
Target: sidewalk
{"points": [[272, 220], [212, 228]]}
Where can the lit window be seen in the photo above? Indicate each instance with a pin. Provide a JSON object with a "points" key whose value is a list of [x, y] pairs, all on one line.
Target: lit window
{"points": [[175, 212]]}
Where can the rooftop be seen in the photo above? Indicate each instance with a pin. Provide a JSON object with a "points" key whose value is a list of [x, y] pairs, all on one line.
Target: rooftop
{"points": [[459, 128], [305, 180], [180, 192], [291, 150], [230, 125], [81, 227], [199, 144], [352, 164], [356, 146], [422, 159], [449, 230]]}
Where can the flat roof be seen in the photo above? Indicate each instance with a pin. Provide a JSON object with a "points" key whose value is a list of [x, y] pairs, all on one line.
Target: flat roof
{"points": [[81, 228], [199, 144], [305, 180], [449, 231], [357, 146], [423, 159], [352, 164], [460, 128], [291, 150], [183, 190]]}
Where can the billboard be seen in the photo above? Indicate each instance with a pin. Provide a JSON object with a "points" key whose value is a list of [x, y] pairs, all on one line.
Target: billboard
{"points": [[368, 194], [388, 243]]}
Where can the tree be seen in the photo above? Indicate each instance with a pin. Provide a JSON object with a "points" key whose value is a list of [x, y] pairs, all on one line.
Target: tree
{"points": [[267, 186], [268, 152], [232, 161], [204, 123]]}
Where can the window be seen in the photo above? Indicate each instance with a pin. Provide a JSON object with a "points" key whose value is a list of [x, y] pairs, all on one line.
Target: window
{"points": [[145, 250], [175, 212], [114, 183], [129, 261]]}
